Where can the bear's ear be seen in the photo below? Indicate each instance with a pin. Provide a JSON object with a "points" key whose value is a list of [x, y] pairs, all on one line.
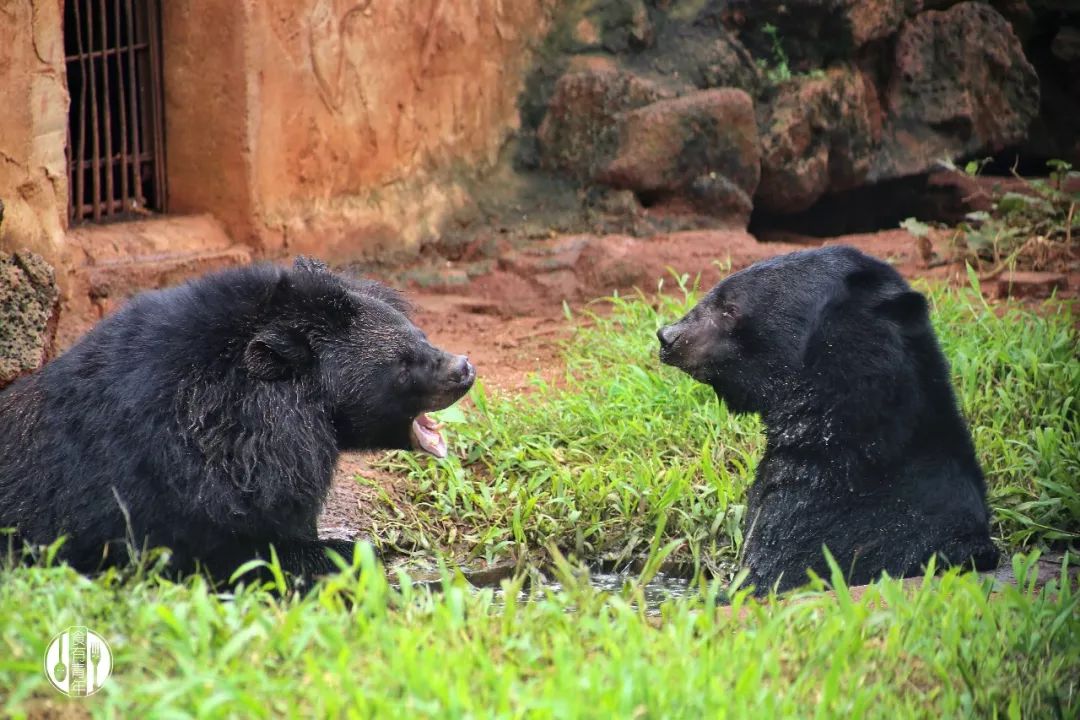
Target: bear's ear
{"points": [[863, 279], [309, 264], [281, 293], [277, 353], [908, 308], [897, 301], [388, 295]]}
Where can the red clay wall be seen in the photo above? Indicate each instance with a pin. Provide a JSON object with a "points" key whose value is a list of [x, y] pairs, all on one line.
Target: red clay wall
{"points": [[341, 128], [33, 126], [334, 126]]}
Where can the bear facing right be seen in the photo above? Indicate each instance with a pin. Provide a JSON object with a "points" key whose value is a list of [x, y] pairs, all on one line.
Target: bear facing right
{"points": [[208, 418], [867, 453]]}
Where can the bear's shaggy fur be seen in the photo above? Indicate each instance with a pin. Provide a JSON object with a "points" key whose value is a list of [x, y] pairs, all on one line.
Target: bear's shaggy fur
{"points": [[866, 451], [208, 418]]}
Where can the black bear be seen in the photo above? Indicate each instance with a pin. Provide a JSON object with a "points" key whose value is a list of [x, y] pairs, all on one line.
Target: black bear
{"points": [[866, 450], [208, 418]]}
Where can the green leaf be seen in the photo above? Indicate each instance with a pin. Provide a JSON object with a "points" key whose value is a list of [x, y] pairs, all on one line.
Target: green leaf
{"points": [[916, 227], [973, 278], [1012, 202], [452, 414]]}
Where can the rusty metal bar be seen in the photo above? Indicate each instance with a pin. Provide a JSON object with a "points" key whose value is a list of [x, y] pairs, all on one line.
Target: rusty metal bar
{"points": [[108, 52], [106, 111], [153, 25], [136, 147], [95, 129], [124, 190], [119, 105], [113, 207], [110, 207], [147, 156], [70, 175], [80, 185]]}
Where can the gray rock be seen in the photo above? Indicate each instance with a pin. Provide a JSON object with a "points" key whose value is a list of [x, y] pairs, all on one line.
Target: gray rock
{"points": [[29, 309], [817, 136], [961, 85]]}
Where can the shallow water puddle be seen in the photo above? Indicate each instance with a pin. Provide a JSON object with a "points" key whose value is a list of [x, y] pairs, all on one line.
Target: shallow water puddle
{"points": [[661, 588], [666, 586]]}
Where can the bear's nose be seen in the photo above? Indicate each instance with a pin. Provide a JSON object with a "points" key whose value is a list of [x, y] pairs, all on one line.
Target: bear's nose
{"points": [[461, 370], [667, 335]]}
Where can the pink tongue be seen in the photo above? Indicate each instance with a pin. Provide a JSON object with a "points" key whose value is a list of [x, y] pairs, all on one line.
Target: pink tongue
{"points": [[426, 436]]}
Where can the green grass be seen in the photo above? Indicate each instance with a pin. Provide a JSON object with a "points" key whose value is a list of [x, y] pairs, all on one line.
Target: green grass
{"points": [[1018, 378], [622, 458], [625, 453], [359, 648]]}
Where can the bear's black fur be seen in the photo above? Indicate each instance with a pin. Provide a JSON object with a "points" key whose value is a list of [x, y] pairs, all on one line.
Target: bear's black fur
{"points": [[208, 418], [867, 452]]}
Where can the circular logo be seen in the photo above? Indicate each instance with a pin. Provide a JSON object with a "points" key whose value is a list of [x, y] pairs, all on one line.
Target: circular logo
{"points": [[78, 661]]}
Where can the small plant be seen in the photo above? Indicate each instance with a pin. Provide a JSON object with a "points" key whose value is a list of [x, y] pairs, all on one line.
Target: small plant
{"points": [[779, 71], [1033, 227], [916, 227], [974, 168]]}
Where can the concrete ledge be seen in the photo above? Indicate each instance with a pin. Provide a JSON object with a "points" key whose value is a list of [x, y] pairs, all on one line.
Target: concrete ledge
{"points": [[111, 262]]}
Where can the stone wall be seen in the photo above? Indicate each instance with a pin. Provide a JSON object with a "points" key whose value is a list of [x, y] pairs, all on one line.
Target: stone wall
{"points": [[396, 96], [339, 126], [28, 314], [206, 71], [33, 125], [846, 94]]}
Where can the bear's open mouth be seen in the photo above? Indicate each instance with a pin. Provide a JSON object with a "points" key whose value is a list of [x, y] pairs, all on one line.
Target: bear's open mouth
{"points": [[425, 435]]}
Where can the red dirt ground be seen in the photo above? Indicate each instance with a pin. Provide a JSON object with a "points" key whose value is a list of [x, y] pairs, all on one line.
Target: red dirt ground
{"points": [[511, 326]]}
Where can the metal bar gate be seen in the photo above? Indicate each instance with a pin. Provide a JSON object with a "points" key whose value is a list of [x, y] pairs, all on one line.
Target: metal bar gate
{"points": [[116, 139]]}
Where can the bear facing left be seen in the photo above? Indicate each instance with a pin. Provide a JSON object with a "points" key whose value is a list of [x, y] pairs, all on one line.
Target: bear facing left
{"points": [[208, 418]]}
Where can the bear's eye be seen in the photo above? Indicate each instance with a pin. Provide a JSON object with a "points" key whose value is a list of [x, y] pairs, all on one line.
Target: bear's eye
{"points": [[728, 309]]}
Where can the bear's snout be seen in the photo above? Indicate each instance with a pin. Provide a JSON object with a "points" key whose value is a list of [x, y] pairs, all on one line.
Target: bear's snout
{"points": [[672, 344], [667, 336], [461, 371], [683, 345]]}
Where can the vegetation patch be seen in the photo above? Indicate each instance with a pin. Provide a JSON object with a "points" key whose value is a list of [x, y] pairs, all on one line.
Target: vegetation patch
{"points": [[625, 456], [357, 647], [1032, 225], [622, 458]]}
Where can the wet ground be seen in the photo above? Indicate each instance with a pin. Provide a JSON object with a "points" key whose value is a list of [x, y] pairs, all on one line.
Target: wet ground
{"points": [[665, 586], [660, 589]]}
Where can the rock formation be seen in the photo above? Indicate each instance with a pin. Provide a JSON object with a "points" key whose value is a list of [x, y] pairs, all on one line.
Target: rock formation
{"points": [[29, 308], [657, 97]]}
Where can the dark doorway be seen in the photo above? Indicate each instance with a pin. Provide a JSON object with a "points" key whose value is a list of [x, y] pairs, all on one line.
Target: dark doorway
{"points": [[116, 139]]}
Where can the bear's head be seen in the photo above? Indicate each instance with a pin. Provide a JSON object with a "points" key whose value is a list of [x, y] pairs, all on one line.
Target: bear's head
{"points": [[353, 341], [802, 323]]}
